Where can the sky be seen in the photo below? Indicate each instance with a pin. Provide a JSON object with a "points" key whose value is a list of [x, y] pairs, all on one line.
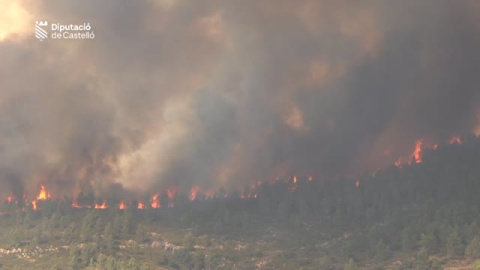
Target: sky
{"points": [[228, 93]]}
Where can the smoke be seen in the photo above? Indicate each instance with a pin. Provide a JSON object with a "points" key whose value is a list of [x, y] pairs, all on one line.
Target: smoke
{"points": [[226, 93]]}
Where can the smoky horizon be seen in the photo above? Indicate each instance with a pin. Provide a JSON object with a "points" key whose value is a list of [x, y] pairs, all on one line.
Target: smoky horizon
{"points": [[181, 96]]}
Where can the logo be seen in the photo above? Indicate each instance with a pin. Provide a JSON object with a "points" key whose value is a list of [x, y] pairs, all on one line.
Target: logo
{"points": [[41, 33], [63, 31]]}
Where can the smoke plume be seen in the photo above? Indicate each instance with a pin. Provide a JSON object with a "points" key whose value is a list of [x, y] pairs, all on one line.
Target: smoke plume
{"points": [[226, 93]]}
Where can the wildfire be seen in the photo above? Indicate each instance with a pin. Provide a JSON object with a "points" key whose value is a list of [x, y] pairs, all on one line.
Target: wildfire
{"points": [[155, 201], [455, 139], [293, 184], [141, 205], [121, 206], [43, 195], [101, 206], [193, 193], [75, 205], [171, 191], [417, 154], [419, 146], [399, 162]]}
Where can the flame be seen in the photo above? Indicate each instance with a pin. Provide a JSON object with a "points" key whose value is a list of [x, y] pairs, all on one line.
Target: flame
{"points": [[34, 205], [357, 183], [455, 139], [155, 202], [75, 205], [310, 178], [43, 195], [141, 205], [294, 186], [171, 191], [417, 154], [121, 206], [193, 193], [435, 146], [399, 162], [101, 206], [10, 198]]}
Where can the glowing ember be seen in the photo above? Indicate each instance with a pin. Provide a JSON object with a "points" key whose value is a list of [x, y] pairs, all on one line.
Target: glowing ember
{"points": [[75, 205], [455, 139], [101, 206], [171, 191], [155, 201], [121, 206], [193, 193], [399, 162], [417, 154], [294, 186]]}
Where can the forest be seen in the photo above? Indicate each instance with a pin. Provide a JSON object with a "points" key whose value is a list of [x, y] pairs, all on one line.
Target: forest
{"points": [[422, 215]]}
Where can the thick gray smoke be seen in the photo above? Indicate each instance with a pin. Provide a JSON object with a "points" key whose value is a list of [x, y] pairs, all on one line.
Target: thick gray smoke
{"points": [[225, 93]]}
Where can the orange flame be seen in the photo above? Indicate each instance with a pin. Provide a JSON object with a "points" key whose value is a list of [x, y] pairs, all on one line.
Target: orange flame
{"points": [[193, 193], [310, 178], [455, 139], [101, 206], [141, 205], [10, 198], [34, 205], [417, 154], [357, 183], [399, 162], [43, 195], [75, 205], [121, 206], [171, 191], [155, 202]]}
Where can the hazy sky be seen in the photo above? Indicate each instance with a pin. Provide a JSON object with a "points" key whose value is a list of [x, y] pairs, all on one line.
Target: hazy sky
{"points": [[226, 93]]}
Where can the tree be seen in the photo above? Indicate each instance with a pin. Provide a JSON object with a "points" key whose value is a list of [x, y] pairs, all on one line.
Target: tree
{"points": [[75, 260], [383, 252], [473, 249], [188, 240], [199, 260], [127, 223], [141, 234], [455, 246], [350, 265], [422, 261], [430, 241], [110, 238]]}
